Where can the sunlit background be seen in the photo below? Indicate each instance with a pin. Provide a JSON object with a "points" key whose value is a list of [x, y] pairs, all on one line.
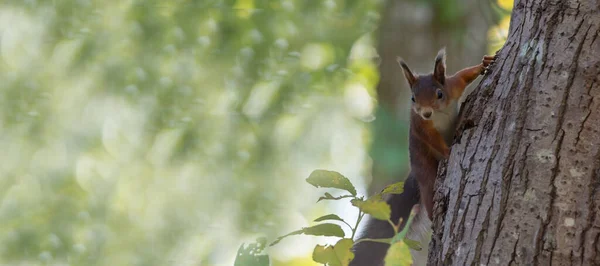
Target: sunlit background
{"points": [[170, 132]]}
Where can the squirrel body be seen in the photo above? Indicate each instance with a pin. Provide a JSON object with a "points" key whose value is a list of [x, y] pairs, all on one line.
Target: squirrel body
{"points": [[433, 118]]}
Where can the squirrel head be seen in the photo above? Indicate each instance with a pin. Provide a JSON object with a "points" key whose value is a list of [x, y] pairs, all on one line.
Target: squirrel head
{"points": [[429, 93]]}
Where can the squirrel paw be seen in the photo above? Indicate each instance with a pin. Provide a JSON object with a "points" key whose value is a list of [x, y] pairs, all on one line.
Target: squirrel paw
{"points": [[488, 61]]}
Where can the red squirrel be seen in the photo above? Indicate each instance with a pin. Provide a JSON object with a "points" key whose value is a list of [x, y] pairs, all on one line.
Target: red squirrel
{"points": [[433, 118]]}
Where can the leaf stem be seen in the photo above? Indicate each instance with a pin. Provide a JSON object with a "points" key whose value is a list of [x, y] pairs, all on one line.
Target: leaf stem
{"points": [[377, 240], [329, 197], [350, 226], [393, 226], [360, 216]]}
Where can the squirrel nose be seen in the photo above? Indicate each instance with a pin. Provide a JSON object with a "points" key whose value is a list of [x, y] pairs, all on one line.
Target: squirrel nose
{"points": [[427, 114]]}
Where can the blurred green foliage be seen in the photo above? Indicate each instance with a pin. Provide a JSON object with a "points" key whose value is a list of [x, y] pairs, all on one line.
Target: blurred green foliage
{"points": [[167, 132]]}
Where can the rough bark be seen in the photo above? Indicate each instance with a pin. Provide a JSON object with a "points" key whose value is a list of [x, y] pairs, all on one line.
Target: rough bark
{"points": [[521, 184]]}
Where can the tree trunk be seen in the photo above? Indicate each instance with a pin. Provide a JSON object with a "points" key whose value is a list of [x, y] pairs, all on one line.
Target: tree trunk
{"points": [[521, 184]]}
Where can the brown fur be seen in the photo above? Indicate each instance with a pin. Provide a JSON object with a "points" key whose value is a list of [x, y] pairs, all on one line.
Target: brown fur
{"points": [[427, 145]]}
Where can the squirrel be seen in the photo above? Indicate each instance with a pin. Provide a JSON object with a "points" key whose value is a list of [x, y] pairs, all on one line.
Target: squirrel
{"points": [[434, 111]]}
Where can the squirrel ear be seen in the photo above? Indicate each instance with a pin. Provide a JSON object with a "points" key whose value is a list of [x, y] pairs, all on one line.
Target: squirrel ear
{"points": [[410, 77], [439, 70]]}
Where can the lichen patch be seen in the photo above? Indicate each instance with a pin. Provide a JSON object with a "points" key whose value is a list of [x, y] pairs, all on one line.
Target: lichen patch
{"points": [[546, 156]]}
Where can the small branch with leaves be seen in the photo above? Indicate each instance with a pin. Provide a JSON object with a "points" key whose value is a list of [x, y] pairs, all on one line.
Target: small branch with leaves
{"points": [[341, 254]]}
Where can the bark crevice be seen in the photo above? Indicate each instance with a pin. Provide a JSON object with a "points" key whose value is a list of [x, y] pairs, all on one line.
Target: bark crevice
{"points": [[521, 184]]}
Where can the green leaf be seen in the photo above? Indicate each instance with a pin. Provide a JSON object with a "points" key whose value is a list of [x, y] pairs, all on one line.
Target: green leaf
{"points": [[414, 244], [324, 254], [330, 197], [252, 255], [377, 208], [343, 251], [329, 217], [324, 230], [398, 255], [330, 179], [377, 197], [338, 255], [395, 188], [317, 230]]}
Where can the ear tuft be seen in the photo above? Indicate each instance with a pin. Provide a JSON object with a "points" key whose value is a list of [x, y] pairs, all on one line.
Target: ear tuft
{"points": [[439, 69], [408, 74], [441, 55]]}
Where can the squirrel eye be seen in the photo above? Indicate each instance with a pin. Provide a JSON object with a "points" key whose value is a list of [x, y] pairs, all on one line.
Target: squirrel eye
{"points": [[412, 98], [440, 94]]}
